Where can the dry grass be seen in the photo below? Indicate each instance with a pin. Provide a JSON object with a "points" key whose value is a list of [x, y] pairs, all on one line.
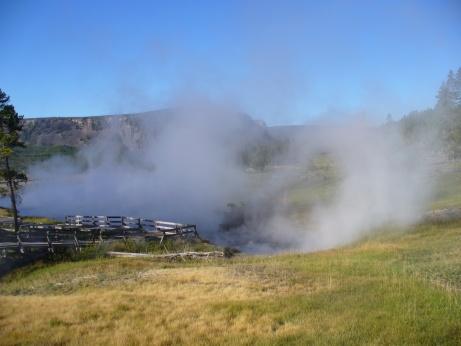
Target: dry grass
{"points": [[157, 305], [4, 212], [399, 288]]}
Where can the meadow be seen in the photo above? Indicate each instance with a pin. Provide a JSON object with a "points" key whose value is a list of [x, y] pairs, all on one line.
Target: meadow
{"points": [[395, 286]]}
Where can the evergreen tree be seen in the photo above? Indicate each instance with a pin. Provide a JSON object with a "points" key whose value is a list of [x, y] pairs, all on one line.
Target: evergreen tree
{"points": [[447, 95], [10, 128], [457, 88]]}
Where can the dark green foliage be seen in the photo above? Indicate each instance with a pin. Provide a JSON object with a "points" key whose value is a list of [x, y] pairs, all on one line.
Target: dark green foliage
{"points": [[449, 95], [260, 155], [22, 158], [230, 252], [11, 124]]}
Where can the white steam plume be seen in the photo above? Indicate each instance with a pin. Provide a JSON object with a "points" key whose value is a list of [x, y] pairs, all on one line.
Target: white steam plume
{"points": [[383, 180], [189, 169]]}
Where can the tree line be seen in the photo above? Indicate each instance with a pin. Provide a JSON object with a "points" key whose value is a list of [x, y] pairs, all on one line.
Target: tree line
{"points": [[442, 122]]}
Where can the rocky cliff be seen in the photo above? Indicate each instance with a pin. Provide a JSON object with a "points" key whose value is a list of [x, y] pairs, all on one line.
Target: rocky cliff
{"points": [[130, 128], [76, 131]]}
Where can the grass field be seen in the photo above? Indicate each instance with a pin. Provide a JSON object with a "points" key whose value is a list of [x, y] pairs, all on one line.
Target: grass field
{"points": [[448, 190], [394, 288], [397, 286]]}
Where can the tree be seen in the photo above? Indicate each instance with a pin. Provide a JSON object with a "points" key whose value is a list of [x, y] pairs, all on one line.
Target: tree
{"points": [[447, 95], [10, 128], [457, 88]]}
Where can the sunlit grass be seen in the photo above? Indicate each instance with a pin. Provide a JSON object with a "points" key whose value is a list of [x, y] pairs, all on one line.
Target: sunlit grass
{"points": [[394, 288], [4, 212], [38, 220], [448, 190]]}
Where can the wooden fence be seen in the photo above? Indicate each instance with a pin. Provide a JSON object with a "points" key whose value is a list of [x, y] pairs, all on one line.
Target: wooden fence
{"points": [[79, 231]]}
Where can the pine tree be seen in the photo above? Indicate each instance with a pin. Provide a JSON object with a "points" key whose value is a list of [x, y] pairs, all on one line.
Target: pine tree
{"points": [[457, 88], [447, 93], [10, 128]]}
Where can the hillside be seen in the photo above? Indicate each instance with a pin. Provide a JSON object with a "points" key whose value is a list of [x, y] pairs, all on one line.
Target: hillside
{"points": [[394, 285], [50, 136], [77, 131], [393, 288]]}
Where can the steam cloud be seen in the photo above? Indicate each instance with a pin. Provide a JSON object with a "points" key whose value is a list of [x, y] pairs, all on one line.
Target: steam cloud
{"points": [[383, 181], [187, 168]]}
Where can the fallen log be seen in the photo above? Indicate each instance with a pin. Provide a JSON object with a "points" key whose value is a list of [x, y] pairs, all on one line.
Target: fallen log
{"points": [[170, 256]]}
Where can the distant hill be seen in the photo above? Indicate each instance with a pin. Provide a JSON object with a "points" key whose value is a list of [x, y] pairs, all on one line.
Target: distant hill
{"points": [[49, 136], [77, 131]]}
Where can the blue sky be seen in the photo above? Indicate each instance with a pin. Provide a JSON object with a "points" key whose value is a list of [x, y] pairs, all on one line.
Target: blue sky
{"points": [[286, 62]]}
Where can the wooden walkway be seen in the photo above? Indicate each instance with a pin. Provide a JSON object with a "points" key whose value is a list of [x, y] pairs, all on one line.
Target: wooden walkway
{"points": [[80, 231]]}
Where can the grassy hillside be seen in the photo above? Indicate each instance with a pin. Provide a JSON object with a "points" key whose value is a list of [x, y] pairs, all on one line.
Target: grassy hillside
{"points": [[447, 192], [397, 286], [394, 288]]}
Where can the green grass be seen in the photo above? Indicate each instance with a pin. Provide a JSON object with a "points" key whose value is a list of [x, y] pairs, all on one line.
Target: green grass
{"points": [[448, 189], [6, 212], [304, 196], [25, 157], [393, 288], [154, 247], [38, 220], [322, 185]]}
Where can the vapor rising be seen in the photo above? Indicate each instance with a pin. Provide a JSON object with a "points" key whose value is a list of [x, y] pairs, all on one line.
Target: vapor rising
{"points": [[186, 166], [382, 181]]}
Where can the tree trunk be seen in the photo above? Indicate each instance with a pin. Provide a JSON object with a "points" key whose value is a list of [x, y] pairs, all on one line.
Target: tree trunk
{"points": [[12, 196]]}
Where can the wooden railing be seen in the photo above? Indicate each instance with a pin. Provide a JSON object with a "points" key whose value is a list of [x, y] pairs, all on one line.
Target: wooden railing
{"points": [[79, 231]]}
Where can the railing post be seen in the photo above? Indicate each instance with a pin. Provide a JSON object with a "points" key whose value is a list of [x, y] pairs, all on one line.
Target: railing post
{"points": [[50, 243], [77, 244], [21, 249], [195, 232]]}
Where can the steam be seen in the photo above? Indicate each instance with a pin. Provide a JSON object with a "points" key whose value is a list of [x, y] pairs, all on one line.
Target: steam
{"points": [[187, 167], [383, 181], [181, 171], [378, 180]]}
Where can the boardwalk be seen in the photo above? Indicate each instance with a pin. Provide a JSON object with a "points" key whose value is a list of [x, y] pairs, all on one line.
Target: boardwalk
{"points": [[80, 231]]}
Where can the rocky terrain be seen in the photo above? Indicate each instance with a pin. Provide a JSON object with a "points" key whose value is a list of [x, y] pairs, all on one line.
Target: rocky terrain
{"points": [[49, 136], [77, 131]]}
